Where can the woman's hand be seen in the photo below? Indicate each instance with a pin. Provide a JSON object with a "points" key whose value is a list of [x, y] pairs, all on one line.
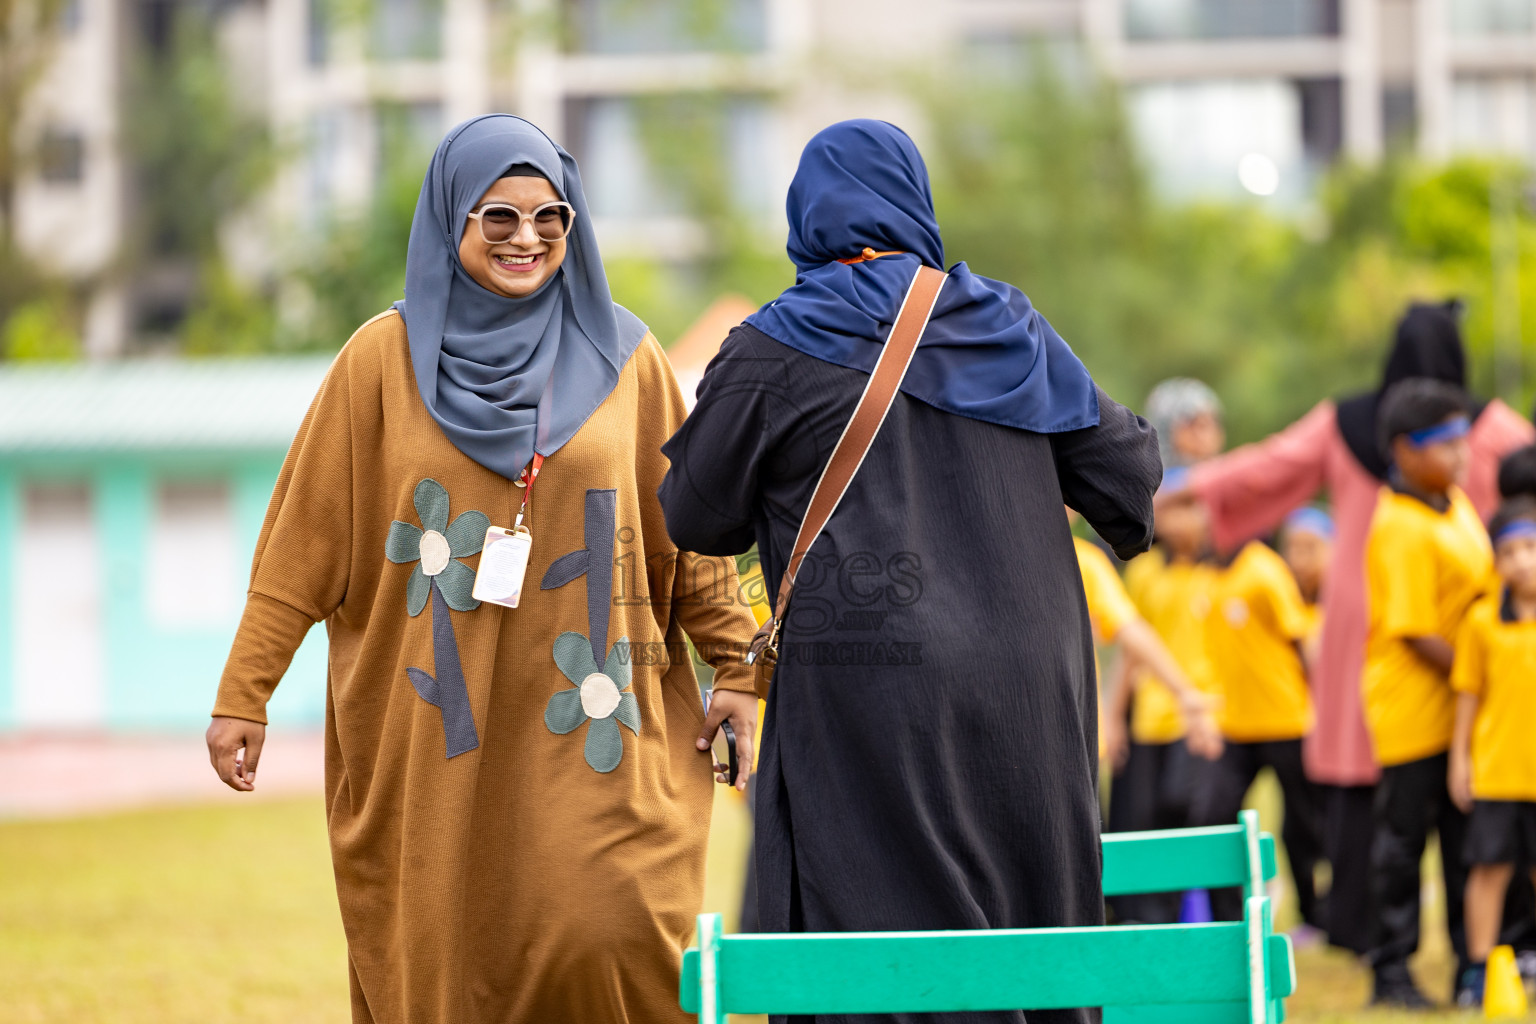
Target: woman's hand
{"points": [[226, 738], [740, 709]]}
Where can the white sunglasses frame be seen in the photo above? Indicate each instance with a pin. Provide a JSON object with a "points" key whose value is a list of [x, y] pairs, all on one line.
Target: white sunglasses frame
{"points": [[478, 214]]}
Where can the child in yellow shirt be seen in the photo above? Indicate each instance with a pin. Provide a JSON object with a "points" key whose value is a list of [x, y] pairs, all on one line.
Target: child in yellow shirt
{"points": [[1154, 770], [1254, 630], [1427, 559], [1493, 748], [1306, 544], [1115, 620]]}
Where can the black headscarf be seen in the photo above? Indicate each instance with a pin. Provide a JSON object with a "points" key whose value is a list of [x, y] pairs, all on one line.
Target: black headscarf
{"points": [[1428, 344]]}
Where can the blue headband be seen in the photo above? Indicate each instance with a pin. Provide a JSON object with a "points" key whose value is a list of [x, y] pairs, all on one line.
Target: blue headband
{"points": [[1450, 430], [1518, 528], [1175, 479], [1311, 520]]}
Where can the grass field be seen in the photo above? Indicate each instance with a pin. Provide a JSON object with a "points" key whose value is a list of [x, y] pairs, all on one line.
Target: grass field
{"points": [[210, 914]]}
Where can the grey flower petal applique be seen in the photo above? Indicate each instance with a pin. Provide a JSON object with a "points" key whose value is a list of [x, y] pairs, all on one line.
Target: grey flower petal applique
{"points": [[403, 544], [629, 711], [457, 583], [563, 713], [467, 534], [605, 747], [618, 667], [431, 502], [416, 590], [573, 657]]}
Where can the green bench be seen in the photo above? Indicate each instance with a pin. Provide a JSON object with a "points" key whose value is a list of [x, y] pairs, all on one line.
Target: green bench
{"points": [[1222, 973]]}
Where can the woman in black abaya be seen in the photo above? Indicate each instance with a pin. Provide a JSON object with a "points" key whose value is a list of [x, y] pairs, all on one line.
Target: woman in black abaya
{"points": [[930, 752]]}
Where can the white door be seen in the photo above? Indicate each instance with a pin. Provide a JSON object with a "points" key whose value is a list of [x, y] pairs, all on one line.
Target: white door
{"points": [[59, 672]]}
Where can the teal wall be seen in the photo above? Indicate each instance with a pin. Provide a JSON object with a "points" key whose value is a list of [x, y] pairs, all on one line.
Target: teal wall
{"points": [[156, 679], [10, 520]]}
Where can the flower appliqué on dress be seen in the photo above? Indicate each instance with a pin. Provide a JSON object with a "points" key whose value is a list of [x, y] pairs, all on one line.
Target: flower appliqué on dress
{"points": [[436, 547], [600, 696]]}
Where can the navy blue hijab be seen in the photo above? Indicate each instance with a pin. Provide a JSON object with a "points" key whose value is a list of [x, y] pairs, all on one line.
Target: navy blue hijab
{"points": [[507, 377], [987, 354]]}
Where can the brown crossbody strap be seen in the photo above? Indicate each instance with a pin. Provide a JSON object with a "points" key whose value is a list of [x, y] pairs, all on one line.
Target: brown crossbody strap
{"points": [[868, 416]]}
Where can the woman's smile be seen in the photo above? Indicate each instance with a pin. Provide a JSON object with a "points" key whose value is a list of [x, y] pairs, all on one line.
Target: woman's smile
{"points": [[516, 262]]}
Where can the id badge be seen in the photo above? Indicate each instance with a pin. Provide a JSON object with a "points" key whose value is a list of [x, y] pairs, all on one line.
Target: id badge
{"points": [[503, 563]]}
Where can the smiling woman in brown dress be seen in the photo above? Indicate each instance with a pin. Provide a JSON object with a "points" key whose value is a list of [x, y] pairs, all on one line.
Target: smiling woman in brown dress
{"points": [[517, 805]]}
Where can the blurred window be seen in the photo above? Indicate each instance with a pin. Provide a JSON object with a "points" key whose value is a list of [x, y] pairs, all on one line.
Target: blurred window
{"points": [[61, 156], [318, 34], [405, 29], [1230, 19], [1198, 137], [58, 608], [193, 579], [667, 156], [1494, 114], [666, 26], [1492, 17], [994, 54], [70, 15]]}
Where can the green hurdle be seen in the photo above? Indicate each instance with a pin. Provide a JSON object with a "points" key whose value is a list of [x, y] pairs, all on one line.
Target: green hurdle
{"points": [[1225, 973]]}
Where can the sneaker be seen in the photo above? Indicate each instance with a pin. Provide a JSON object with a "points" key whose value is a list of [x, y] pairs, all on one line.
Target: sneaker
{"points": [[1399, 994], [1525, 963], [1469, 990]]}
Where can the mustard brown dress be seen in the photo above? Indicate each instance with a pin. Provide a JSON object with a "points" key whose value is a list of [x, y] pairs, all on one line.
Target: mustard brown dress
{"points": [[526, 844]]}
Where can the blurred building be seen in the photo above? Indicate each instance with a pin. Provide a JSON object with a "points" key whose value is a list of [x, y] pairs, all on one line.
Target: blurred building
{"points": [[1224, 94], [131, 495]]}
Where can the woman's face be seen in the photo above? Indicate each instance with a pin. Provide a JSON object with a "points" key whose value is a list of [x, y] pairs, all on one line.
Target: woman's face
{"points": [[521, 264]]}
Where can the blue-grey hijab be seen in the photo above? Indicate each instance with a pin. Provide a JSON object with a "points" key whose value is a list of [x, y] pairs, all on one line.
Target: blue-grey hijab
{"points": [[987, 353], [507, 377]]}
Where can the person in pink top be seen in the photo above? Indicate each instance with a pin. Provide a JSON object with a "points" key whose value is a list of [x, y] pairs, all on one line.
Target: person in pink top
{"points": [[1249, 492]]}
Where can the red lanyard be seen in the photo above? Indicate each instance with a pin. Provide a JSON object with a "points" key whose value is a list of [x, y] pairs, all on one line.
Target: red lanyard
{"points": [[526, 481]]}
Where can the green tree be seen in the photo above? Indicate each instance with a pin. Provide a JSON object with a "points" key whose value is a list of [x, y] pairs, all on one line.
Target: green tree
{"points": [[28, 37], [200, 157], [355, 267]]}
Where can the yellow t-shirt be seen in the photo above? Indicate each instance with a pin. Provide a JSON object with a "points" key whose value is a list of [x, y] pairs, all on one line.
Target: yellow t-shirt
{"points": [[1496, 660], [1175, 599], [1423, 569], [1109, 606], [1256, 619]]}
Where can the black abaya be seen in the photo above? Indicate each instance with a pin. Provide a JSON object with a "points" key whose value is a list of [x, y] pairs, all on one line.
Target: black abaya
{"points": [[930, 752]]}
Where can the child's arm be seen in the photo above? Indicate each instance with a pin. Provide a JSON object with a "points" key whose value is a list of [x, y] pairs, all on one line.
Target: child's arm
{"points": [[1141, 643], [1459, 780], [1117, 707], [1435, 651]]}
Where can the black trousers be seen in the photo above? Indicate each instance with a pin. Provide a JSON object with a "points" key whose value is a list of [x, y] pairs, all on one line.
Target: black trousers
{"points": [[1348, 827], [1221, 797], [1411, 799], [1153, 791]]}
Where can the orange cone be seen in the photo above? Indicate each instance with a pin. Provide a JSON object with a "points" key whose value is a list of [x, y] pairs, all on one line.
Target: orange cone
{"points": [[1503, 991]]}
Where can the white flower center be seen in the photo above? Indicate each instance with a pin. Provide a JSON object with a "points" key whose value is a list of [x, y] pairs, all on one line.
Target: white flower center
{"points": [[434, 553], [599, 696]]}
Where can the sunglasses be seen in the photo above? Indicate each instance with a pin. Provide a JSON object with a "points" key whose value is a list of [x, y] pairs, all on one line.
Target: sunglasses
{"points": [[501, 223]]}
